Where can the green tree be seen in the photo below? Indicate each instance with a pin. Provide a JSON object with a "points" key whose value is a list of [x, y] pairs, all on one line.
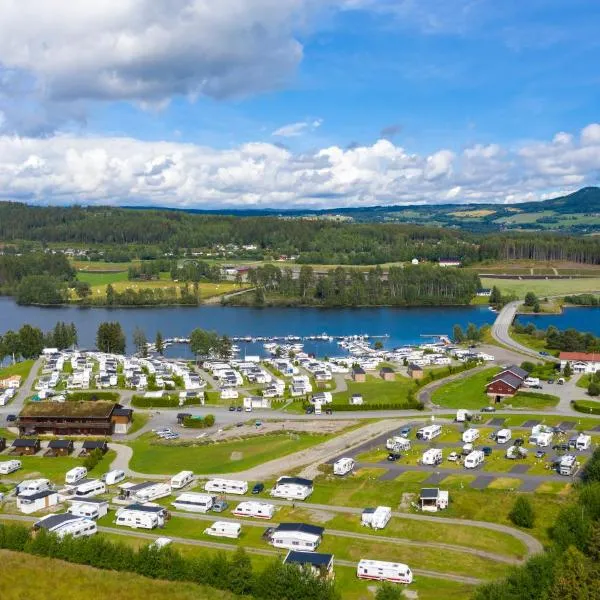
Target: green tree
{"points": [[110, 295], [522, 513], [158, 343], [110, 338], [140, 341], [530, 299], [240, 576], [388, 591], [594, 389], [457, 334], [568, 371], [571, 580], [496, 296], [82, 289], [31, 341], [536, 307]]}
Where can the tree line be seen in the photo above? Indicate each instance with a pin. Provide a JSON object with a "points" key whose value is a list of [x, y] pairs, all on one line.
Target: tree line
{"points": [[29, 341], [568, 340]]}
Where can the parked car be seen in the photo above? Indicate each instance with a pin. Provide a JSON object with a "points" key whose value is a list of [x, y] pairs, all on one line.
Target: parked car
{"points": [[232, 409], [310, 410], [564, 446], [453, 456], [11, 418], [488, 409], [258, 488], [486, 450], [220, 505], [394, 456], [519, 442], [405, 431], [550, 381], [544, 353], [328, 411], [557, 430], [540, 454], [239, 409]]}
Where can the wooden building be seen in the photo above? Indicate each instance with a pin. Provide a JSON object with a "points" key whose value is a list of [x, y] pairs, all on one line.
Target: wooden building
{"points": [[23, 447], [387, 374], [59, 448], [359, 375], [507, 383], [415, 371], [91, 445]]}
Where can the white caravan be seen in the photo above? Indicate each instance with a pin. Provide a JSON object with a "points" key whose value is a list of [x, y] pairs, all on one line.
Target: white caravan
{"points": [[503, 436], [224, 529], [297, 536], [474, 459], [90, 488], [194, 502], [74, 475], [568, 465], [259, 510], [66, 524], [470, 435], [152, 492], [397, 443], [430, 432], [226, 486], [89, 508], [583, 442], [376, 518], [433, 456], [542, 439], [384, 571], [292, 488], [343, 466], [137, 519], [181, 479], [462, 415], [113, 477], [33, 486], [10, 466]]}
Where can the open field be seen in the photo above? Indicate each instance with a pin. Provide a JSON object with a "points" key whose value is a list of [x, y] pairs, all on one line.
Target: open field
{"points": [[465, 393], [149, 457], [100, 265], [27, 576], [21, 368], [377, 391], [543, 287]]}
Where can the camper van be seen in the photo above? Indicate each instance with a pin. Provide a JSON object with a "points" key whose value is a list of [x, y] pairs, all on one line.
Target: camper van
{"points": [[343, 466], [583, 442], [33, 486], [430, 432], [474, 459], [503, 436], [181, 479], [384, 571], [470, 435], [568, 465], [74, 475], [462, 415], [397, 444], [226, 486], [137, 519], [194, 502], [113, 477], [152, 492], [224, 529], [258, 510], [542, 439], [90, 488], [433, 456], [376, 518], [88, 508], [10, 466]]}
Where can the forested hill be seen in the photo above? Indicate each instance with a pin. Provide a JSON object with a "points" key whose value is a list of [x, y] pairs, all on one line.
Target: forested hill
{"points": [[314, 241]]}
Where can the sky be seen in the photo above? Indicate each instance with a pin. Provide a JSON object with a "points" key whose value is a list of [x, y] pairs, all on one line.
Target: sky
{"points": [[297, 103]]}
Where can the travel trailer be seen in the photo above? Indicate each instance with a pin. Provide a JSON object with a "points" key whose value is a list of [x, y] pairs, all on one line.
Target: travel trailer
{"points": [[194, 502], [66, 524], [33, 486], [90, 508], [568, 465], [583, 442], [181, 479], [137, 519], [296, 536], [462, 415], [397, 444], [90, 488], [224, 529], [74, 475], [503, 436], [226, 486], [259, 510], [433, 456], [542, 439], [10, 466], [376, 518], [152, 492], [292, 488], [343, 466], [113, 477], [474, 459], [384, 571], [470, 435], [430, 432]]}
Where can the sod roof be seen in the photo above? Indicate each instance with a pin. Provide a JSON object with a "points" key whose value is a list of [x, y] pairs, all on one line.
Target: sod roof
{"points": [[97, 409]]}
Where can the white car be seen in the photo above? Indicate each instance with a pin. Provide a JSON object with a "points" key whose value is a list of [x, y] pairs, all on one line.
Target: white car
{"points": [[453, 456]]}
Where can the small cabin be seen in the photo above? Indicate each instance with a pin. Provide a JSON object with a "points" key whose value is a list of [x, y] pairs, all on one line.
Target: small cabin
{"points": [[356, 399], [24, 447], [2, 444], [433, 499], [90, 445], [320, 564], [415, 371], [359, 375], [59, 448], [121, 419], [387, 374]]}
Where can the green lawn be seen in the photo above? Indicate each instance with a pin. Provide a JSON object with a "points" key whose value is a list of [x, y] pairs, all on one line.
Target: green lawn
{"points": [[465, 393], [584, 381], [531, 400], [543, 287], [139, 420], [21, 368], [100, 278], [149, 457], [530, 341], [377, 391]]}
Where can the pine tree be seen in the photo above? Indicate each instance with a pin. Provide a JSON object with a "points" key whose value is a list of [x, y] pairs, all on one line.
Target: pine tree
{"points": [[522, 513], [568, 371], [240, 573], [571, 582], [160, 347]]}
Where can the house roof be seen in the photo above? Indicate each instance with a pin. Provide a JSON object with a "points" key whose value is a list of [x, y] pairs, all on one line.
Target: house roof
{"points": [[60, 444], [145, 508], [296, 480], [122, 412], [358, 370], [386, 370], [316, 559], [429, 493], [23, 443], [39, 495], [521, 373], [414, 367], [85, 409], [93, 444], [52, 521], [581, 356], [301, 527], [511, 380]]}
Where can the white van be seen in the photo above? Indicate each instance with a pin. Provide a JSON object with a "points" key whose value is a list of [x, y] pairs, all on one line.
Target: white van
{"points": [[583, 442], [113, 477], [542, 439], [384, 571], [343, 466], [90, 488], [433, 456], [429, 432], [397, 444], [470, 435], [474, 459], [568, 465], [181, 479], [503, 436], [10, 466], [194, 502], [74, 475], [224, 529]]}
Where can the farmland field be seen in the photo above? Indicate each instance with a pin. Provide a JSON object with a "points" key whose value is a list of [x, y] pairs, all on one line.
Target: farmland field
{"points": [[464, 393], [543, 287]]}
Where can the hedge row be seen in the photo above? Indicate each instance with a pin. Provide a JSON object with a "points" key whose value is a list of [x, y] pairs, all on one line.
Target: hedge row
{"points": [[163, 402], [579, 406], [82, 396], [199, 422], [353, 407]]}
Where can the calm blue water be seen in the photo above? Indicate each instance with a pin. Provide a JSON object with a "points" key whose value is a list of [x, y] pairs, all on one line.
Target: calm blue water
{"points": [[582, 318]]}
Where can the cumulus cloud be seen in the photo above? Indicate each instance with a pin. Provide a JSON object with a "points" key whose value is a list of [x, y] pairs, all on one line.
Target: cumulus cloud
{"points": [[298, 129], [119, 170]]}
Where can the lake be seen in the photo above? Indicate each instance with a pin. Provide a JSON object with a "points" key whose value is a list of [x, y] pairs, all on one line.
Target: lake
{"points": [[402, 325]]}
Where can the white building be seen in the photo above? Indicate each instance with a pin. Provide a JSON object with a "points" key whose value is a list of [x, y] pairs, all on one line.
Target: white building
{"points": [[30, 503], [292, 488], [433, 499], [297, 536], [581, 362], [194, 502], [259, 510], [66, 524], [224, 529]]}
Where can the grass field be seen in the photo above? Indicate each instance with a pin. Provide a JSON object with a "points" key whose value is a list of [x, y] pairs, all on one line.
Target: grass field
{"points": [[377, 391], [216, 457], [91, 266], [465, 393], [27, 576], [21, 368], [532, 401], [543, 287]]}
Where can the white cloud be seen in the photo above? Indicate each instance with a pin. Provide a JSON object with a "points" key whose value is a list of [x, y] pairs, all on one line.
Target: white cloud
{"points": [[297, 129], [118, 170]]}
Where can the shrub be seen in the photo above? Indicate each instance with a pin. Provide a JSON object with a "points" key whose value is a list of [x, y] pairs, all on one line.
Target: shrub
{"points": [[594, 389], [522, 513], [199, 422], [166, 401], [83, 396]]}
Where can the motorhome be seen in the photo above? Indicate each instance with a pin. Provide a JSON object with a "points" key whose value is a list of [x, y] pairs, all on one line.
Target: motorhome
{"points": [[33, 486], [568, 465], [137, 519], [343, 466], [429, 432], [152, 492], [194, 502], [259, 510], [470, 435], [384, 571], [296, 536], [433, 456], [224, 529], [90, 488], [542, 439], [474, 459], [181, 479], [90, 508], [10, 466], [113, 477], [503, 436], [66, 524], [226, 486], [74, 475], [292, 488], [583, 442], [462, 415], [376, 518], [397, 444]]}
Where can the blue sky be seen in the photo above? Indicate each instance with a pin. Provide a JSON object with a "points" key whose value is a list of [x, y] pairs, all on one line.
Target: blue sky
{"points": [[292, 102]]}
